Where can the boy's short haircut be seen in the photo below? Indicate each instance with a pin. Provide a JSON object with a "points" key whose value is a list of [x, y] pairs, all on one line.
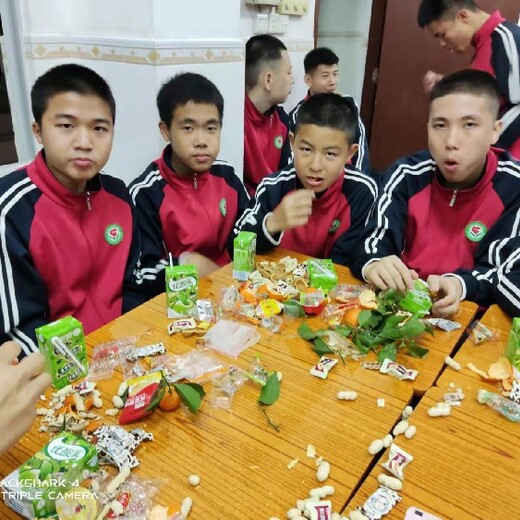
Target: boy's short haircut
{"points": [[319, 56], [261, 49], [183, 88], [469, 81], [69, 77], [434, 10], [328, 110]]}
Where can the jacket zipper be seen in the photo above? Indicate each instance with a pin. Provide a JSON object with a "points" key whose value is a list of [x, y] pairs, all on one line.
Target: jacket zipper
{"points": [[453, 198], [89, 205], [195, 180]]}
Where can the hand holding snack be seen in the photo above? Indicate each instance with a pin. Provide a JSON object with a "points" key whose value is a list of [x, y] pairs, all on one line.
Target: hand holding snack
{"points": [[22, 384], [447, 292], [294, 210], [390, 272]]}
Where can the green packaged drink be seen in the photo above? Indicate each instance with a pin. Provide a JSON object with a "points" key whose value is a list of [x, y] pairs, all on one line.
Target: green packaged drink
{"points": [[33, 488], [513, 344], [62, 343], [418, 300], [244, 252], [182, 285], [322, 274]]}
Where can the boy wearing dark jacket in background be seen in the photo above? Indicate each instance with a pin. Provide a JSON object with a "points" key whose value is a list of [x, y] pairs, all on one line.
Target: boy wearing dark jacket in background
{"points": [[266, 124], [187, 201], [321, 76], [69, 241]]}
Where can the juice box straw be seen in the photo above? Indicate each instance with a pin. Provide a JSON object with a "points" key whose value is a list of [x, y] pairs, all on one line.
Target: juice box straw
{"points": [[171, 259], [56, 341]]}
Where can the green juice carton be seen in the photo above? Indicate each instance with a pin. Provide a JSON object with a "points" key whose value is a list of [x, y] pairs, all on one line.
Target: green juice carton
{"points": [[418, 300], [33, 488], [244, 251], [513, 346], [322, 274], [182, 285], [62, 343]]}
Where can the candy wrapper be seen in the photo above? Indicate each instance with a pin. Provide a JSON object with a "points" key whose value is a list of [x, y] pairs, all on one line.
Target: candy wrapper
{"points": [[205, 311], [144, 395], [116, 446], [380, 503], [340, 345], [321, 510], [323, 367], [257, 373], [230, 337], [344, 293], [105, 358], [224, 388], [395, 369], [443, 324], [181, 325], [313, 301], [479, 333], [398, 459]]}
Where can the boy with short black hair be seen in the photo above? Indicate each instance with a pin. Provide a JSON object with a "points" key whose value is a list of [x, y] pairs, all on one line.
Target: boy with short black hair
{"points": [[441, 212], [308, 205], [69, 242], [321, 76], [187, 201], [459, 24], [266, 124]]}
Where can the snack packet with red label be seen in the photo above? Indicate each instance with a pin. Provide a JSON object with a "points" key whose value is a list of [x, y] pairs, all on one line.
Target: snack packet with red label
{"points": [[144, 395]]}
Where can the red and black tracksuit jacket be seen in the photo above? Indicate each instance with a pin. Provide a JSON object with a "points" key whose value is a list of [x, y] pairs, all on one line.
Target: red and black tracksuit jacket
{"points": [[497, 51], [266, 143], [62, 253], [341, 211], [177, 214], [437, 230]]}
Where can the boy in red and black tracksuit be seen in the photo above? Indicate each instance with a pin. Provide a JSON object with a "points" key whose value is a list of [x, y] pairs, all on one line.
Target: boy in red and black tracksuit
{"points": [[321, 76], [69, 243], [458, 25], [308, 205], [186, 201], [266, 124], [440, 212]]}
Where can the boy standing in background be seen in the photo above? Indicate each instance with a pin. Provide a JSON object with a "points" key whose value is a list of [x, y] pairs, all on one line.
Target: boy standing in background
{"points": [[321, 76], [266, 124], [459, 24]]}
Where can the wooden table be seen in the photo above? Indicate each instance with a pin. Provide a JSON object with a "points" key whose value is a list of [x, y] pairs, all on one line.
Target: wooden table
{"points": [[466, 466], [242, 461], [481, 355]]}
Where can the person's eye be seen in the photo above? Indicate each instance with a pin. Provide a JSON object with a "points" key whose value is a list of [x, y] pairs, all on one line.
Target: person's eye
{"points": [[100, 129], [187, 128], [64, 125]]}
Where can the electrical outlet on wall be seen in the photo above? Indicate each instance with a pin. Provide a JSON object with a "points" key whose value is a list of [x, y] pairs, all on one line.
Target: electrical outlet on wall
{"points": [[263, 2], [261, 23], [274, 23]]}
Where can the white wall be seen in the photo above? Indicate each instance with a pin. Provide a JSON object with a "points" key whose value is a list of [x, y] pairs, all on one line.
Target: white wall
{"points": [[344, 27], [137, 44], [299, 40]]}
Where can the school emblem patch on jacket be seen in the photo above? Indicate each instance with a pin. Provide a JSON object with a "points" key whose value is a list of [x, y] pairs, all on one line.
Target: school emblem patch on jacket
{"points": [[278, 142], [114, 234], [223, 207], [475, 231]]}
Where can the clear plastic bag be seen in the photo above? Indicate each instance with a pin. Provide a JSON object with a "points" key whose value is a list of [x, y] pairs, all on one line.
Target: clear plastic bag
{"points": [[230, 337], [105, 358]]}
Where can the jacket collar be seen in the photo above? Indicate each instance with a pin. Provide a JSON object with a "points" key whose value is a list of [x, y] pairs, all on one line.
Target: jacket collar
{"points": [[254, 115], [484, 33], [42, 177]]}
